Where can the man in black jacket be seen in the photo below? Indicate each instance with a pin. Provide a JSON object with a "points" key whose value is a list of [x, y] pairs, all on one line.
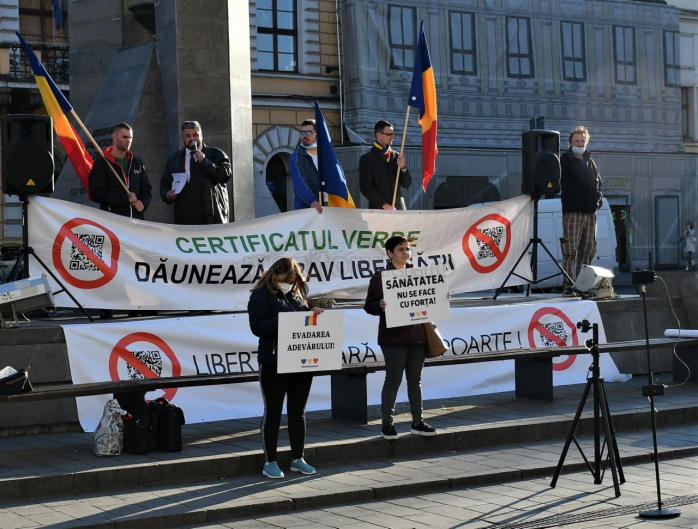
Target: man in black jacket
{"points": [[105, 188], [204, 197], [581, 198], [378, 171]]}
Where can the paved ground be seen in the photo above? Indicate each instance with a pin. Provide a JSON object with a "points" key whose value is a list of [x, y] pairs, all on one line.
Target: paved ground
{"points": [[525, 468], [575, 503], [55, 481]]}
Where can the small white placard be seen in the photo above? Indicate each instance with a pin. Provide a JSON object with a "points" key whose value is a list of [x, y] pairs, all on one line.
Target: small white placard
{"points": [[415, 295], [179, 180], [310, 343]]}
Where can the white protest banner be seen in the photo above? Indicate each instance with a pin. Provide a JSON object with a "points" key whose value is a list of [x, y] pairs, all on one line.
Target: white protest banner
{"points": [[310, 343], [110, 261], [415, 295], [223, 343]]}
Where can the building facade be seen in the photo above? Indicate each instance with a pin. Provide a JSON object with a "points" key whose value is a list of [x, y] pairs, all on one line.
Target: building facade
{"points": [[295, 60], [623, 68]]}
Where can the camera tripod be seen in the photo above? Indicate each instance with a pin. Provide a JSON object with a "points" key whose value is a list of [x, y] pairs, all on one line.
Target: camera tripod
{"points": [[602, 416]]}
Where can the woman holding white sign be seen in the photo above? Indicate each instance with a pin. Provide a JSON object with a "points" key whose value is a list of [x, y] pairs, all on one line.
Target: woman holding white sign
{"points": [[282, 288], [404, 348]]}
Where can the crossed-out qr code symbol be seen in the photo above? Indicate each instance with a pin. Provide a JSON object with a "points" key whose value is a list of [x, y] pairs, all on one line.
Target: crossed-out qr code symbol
{"points": [[78, 260], [483, 250], [557, 329], [152, 359]]}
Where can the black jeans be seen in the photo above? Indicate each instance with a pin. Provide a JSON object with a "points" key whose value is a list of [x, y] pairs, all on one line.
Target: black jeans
{"points": [[399, 359], [275, 387]]}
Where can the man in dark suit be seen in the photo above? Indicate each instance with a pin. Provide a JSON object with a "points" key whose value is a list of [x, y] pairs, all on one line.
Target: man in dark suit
{"points": [[204, 197], [378, 170]]}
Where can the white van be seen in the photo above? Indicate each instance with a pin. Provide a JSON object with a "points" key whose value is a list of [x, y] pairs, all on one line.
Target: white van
{"points": [[550, 232]]}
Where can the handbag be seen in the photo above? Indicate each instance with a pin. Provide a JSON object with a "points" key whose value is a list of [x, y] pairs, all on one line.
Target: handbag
{"points": [[13, 381], [108, 438], [435, 344]]}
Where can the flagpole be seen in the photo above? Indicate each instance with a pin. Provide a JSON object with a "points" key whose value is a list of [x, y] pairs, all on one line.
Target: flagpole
{"points": [[84, 129], [402, 149]]}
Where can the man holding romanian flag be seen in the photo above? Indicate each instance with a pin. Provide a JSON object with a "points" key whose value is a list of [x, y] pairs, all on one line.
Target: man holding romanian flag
{"points": [[378, 168]]}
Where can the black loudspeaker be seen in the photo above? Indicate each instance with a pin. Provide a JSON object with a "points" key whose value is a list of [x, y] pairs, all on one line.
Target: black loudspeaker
{"points": [[27, 154], [541, 162]]}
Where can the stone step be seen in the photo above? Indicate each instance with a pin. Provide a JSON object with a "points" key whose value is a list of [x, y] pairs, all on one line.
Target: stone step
{"points": [[62, 465], [195, 504]]}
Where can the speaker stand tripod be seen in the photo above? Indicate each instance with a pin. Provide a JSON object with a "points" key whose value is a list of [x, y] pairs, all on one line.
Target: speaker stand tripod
{"points": [[602, 416], [650, 391], [533, 242], [28, 250]]}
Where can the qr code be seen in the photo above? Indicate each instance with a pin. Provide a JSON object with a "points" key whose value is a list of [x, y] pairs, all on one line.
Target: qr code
{"points": [[557, 329], [78, 260], [483, 250], [152, 359]]}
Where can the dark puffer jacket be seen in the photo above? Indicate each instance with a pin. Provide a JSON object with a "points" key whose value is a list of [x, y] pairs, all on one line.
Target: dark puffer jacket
{"points": [[407, 334], [581, 190], [263, 310]]}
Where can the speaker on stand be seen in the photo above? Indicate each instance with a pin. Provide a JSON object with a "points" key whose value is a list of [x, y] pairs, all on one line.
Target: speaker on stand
{"points": [[27, 155], [540, 150], [27, 169]]}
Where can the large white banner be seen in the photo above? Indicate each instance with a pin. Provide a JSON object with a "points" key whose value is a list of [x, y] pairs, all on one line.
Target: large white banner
{"points": [[224, 344], [108, 261]]}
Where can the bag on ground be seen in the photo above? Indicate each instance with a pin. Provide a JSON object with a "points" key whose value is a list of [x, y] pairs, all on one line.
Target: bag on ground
{"points": [[108, 439], [140, 424], [170, 421], [13, 381]]}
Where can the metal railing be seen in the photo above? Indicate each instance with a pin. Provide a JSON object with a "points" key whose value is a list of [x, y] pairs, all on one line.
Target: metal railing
{"points": [[15, 65]]}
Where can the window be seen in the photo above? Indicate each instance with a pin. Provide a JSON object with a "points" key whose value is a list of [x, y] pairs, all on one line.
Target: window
{"points": [[36, 22], [463, 43], [624, 57], [519, 48], [672, 59], [276, 35], [573, 52], [402, 35]]}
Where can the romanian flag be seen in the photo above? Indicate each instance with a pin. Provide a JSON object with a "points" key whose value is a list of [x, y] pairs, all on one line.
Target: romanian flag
{"points": [[328, 167], [423, 97], [57, 107], [311, 320]]}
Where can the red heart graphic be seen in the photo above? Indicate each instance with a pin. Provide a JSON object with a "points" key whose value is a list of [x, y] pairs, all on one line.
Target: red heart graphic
{"points": [[424, 313]]}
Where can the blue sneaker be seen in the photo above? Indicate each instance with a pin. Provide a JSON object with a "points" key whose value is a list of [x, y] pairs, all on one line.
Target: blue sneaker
{"points": [[272, 470], [299, 465]]}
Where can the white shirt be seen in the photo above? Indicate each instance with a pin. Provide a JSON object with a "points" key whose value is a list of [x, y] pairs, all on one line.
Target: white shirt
{"points": [[187, 163]]}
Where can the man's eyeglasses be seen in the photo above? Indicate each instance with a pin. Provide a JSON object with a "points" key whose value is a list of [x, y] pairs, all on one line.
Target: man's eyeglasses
{"points": [[387, 133], [307, 132]]}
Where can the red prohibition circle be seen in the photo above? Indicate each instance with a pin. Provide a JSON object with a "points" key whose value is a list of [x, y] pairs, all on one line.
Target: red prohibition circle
{"points": [[108, 271], [120, 352], [536, 325], [500, 255]]}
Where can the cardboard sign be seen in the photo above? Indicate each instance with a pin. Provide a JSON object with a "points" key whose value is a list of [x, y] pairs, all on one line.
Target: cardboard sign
{"points": [[415, 295], [310, 343]]}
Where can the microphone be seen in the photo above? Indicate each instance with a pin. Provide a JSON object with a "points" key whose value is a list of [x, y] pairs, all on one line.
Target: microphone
{"points": [[194, 147]]}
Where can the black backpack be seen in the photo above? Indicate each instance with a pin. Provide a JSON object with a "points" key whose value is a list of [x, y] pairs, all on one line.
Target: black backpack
{"points": [[170, 421], [140, 425]]}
